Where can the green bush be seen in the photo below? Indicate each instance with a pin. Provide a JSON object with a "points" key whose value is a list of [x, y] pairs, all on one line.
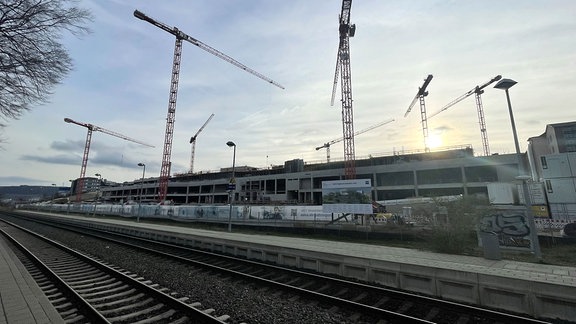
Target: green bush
{"points": [[457, 235]]}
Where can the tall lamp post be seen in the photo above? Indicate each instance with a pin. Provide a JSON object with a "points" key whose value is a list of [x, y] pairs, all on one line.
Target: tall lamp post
{"points": [[99, 183], [97, 192], [55, 195], [231, 186], [71, 187], [505, 84], [141, 189], [70, 195]]}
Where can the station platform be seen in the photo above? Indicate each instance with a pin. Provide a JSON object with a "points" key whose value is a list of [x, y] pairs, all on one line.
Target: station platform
{"points": [[538, 290], [21, 300]]}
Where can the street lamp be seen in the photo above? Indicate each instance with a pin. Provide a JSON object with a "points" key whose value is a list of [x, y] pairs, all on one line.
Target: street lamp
{"points": [[70, 195], [55, 193], [232, 185], [97, 191], [505, 84], [99, 180], [141, 189]]}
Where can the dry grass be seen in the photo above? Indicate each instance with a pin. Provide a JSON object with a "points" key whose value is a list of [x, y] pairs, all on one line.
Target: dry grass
{"points": [[555, 252]]}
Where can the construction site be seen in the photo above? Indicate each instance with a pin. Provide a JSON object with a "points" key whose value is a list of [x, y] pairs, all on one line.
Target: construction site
{"points": [[427, 172]]}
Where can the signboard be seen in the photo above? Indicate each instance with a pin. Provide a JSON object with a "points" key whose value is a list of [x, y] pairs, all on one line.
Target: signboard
{"points": [[536, 193], [347, 196], [231, 185]]}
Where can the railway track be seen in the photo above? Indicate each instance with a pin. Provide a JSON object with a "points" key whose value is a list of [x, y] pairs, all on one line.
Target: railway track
{"points": [[364, 302], [85, 290]]}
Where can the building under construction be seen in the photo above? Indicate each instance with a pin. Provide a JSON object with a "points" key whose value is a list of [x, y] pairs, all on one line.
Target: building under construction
{"points": [[454, 171]]}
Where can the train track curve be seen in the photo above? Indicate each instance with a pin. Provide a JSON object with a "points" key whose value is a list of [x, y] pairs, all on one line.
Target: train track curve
{"points": [[85, 290]]}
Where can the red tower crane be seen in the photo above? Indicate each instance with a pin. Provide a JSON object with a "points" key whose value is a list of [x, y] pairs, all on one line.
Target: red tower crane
{"points": [[478, 92], [165, 170], [420, 96], [327, 145], [193, 142], [91, 128], [343, 69]]}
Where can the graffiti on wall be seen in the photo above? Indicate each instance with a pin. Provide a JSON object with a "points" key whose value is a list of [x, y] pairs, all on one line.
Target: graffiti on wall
{"points": [[511, 227]]}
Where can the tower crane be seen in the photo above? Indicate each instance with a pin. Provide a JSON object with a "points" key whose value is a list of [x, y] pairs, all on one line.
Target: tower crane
{"points": [[478, 91], [327, 145], [193, 142], [420, 96], [343, 69], [165, 170], [91, 128]]}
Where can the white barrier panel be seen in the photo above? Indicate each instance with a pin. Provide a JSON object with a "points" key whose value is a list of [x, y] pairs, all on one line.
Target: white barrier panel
{"points": [[198, 212]]}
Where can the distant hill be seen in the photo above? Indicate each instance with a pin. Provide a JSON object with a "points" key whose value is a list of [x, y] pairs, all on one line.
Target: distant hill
{"points": [[31, 193]]}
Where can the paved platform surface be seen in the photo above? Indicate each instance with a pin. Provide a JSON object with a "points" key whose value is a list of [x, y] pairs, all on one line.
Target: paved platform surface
{"points": [[21, 300], [561, 275]]}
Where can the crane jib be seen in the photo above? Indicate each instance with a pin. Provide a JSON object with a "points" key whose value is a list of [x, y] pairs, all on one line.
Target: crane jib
{"points": [[477, 90], [181, 35], [105, 131]]}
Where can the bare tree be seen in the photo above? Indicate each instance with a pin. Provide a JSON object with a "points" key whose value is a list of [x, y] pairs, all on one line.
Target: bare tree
{"points": [[32, 58]]}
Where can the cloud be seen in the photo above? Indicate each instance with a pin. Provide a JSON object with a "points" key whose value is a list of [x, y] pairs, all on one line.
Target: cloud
{"points": [[67, 146], [122, 76], [17, 181], [55, 159]]}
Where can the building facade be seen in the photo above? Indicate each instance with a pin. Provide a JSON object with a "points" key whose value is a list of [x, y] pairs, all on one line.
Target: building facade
{"points": [[429, 174], [552, 158]]}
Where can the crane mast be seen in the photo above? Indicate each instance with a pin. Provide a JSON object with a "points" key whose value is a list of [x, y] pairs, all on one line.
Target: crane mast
{"points": [[91, 128], [482, 123], [327, 145], [343, 69], [477, 91], [193, 142], [420, 97], [165, 169]]}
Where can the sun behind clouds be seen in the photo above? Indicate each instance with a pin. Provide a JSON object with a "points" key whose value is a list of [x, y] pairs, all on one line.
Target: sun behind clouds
{"points": [[434, 141]]}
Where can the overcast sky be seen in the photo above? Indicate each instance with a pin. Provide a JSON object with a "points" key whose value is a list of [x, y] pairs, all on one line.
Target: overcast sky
{"points": [[121, 83]]}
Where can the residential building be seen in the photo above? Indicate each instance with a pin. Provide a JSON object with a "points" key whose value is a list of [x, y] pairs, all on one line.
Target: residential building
{"points": [[552, 157]]}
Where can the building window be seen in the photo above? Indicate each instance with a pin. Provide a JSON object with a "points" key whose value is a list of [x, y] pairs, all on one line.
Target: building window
{"points": [[569, 133], [549, 186], [436, 176], [544, 163]]}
